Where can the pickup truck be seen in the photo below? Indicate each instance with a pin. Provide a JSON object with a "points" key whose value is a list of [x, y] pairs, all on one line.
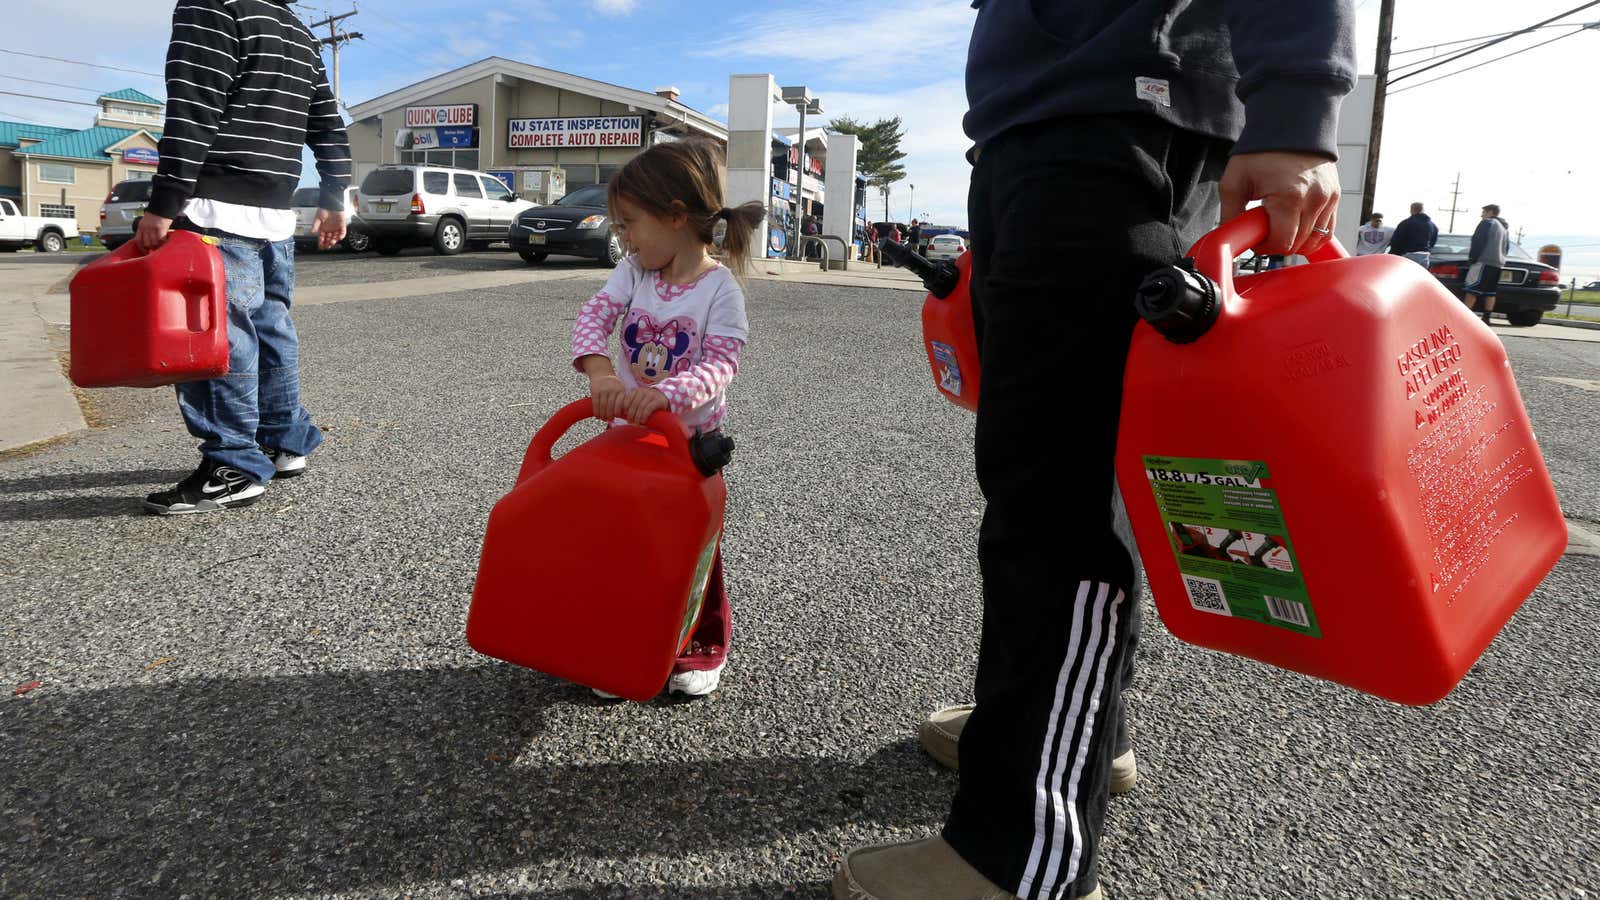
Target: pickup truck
{"points": [[46, 234]]}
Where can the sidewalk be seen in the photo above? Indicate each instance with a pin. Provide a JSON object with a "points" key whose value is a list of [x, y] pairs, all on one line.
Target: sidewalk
{"points": [[38, 403]]}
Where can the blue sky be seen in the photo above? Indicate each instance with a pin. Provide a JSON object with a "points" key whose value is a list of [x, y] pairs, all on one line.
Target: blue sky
{"points": [[886, 58]]}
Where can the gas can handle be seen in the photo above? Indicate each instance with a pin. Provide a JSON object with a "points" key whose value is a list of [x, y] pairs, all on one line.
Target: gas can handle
{"points": [[1214, 254], [544, 440]]}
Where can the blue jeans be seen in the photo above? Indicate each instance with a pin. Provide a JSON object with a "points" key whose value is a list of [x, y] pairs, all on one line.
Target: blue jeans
{"points": [[257, 404]]}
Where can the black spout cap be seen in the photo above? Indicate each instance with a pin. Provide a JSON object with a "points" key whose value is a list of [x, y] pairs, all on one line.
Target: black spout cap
{"points": [[1179, 302], [940, 278], [711, 452]]}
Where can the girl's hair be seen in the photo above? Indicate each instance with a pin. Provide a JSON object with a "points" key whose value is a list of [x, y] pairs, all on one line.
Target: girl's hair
{"points": [[686, 177]]}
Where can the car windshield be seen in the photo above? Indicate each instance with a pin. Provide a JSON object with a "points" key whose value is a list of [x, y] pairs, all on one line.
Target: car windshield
{"points": [[307, 196], [131, 192], [593, 196], [381, 182]]}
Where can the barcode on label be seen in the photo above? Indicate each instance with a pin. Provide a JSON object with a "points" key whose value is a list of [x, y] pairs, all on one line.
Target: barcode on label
{"points": [[1286, 610], [1206, 595]]}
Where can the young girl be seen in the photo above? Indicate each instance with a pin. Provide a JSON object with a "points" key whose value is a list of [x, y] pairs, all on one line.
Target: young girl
{"points": [[682, 325]]}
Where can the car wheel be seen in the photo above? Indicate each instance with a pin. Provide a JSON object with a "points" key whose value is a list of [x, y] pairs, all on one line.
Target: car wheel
{"points": [[614, 252], [450, 238], [1525, 318], [389, 248], [358, 242], [533, 257], [52, 243]]}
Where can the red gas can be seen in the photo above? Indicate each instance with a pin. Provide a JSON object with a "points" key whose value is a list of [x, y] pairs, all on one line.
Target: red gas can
{"points": [[947, 330], [948, 336], [595, 566], [1329, 468], [148, 319]]}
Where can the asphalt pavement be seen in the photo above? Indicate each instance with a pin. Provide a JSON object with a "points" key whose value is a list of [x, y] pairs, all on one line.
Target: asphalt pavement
{"points": [[279, 700]]}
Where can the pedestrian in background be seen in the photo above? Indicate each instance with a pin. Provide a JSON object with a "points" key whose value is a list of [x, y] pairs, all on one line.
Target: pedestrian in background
{"points": [[1373, 237], [1414, 237], [1135, 111], [230, 163], [1485, 258]]}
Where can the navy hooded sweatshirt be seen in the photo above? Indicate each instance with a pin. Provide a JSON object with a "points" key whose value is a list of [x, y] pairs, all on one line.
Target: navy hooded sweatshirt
{"points": [[1267, 74]]}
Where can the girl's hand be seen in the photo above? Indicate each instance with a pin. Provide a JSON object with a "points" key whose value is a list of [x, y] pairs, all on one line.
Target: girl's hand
{"points": [[640, 404], [608, 394]]}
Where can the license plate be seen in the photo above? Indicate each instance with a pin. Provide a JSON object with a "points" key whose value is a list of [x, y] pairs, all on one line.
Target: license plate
{"points": [[384, 207], [536, 239]]}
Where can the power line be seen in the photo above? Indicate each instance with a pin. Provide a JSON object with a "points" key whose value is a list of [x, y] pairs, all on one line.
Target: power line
{"points": [[50, 99], [79, 62], [1481, 37], [58, 84], [1488, 61], [1487, 44]]}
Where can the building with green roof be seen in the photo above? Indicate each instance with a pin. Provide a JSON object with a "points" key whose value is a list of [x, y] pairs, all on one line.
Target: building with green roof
{"points": [[57, 171]]}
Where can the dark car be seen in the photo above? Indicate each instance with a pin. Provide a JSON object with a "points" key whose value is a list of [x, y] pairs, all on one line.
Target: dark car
{"points": [[1528, 288], [576, 225]]}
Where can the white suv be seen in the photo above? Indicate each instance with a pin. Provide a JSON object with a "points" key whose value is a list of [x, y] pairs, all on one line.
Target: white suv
{"points": [[409, 206], [357, 239]]}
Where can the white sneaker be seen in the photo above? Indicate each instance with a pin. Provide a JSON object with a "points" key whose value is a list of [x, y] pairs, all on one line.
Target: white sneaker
{"points": [[287, 464], [696, 683]]}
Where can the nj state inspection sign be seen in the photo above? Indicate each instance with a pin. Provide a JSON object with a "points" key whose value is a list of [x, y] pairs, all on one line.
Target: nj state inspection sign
{"points": [[578, 131]]}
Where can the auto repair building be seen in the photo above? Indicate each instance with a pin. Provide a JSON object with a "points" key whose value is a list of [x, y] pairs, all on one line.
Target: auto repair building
{"points": [[68, 172], [526, 124]]}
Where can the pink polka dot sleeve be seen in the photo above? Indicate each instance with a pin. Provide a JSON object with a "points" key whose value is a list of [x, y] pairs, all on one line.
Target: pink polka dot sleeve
{"points": [[706, 378], [596, 320]]}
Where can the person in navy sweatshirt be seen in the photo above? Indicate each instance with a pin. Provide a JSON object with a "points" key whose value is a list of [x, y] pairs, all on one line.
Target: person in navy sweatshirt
{"points": [[1158, 114], [245, 91]]}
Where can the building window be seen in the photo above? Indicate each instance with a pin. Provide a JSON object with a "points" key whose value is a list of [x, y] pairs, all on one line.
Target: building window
{"points": [[56, 173], [450, 159], [51, 211]]}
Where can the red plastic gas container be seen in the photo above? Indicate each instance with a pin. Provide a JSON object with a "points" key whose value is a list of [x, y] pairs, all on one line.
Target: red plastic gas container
{"points": [[1358, 496], [148, 319], [948, 336], [595, 565]]}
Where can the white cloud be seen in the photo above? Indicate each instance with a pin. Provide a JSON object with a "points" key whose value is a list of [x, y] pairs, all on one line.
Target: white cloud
{"points": [[616, 7], [899, 36]]}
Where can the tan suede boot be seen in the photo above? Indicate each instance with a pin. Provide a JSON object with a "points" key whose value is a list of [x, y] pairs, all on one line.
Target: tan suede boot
{"points": [[940, 735], [928, 869]]}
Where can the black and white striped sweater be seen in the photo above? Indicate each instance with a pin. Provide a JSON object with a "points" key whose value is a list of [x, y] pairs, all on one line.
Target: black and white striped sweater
{"points": [[245, 91]]}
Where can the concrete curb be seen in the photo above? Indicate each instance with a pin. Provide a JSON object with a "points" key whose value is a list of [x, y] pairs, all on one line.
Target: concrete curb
{"points": [[1573, 323]]}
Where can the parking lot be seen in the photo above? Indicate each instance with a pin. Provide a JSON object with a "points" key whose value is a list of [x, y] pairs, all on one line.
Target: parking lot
{"points": [[279, 700]]}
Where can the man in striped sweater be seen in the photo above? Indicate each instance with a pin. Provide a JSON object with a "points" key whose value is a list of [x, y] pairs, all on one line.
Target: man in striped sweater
{"points": [[245, 91]]}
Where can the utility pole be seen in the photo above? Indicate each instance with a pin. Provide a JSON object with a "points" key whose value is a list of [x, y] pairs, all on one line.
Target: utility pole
{"points": [[1455, 193], [334, 39], [1380, 94]]}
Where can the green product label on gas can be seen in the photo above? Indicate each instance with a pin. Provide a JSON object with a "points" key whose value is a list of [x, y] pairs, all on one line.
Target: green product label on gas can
{"points": [[1232, 544]]}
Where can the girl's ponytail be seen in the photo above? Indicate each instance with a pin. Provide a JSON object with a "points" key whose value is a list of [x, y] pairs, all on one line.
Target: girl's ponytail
{"points": [[735, 225]]}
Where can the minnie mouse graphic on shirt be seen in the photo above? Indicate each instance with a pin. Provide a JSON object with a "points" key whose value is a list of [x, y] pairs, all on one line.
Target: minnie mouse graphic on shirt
{"points": [[658, 351]]}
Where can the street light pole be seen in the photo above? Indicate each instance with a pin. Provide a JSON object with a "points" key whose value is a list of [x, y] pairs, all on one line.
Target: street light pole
{"points": [[800, 189]]}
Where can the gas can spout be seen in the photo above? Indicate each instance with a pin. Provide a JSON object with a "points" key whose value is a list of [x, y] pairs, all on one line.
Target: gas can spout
{"points": [[1179, 302], [941, 278]]}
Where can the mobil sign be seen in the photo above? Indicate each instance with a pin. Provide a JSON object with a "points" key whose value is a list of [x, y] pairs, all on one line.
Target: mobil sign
{"points": [[577, 131], [446, 116]]}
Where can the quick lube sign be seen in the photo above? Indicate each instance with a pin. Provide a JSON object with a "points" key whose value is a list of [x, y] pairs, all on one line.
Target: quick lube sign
{"points": [[580, 131], [457, 115]]}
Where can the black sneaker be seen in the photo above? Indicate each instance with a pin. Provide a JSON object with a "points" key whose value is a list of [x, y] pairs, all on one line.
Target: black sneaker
{"points": [[213, 486], [288, 465]]}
